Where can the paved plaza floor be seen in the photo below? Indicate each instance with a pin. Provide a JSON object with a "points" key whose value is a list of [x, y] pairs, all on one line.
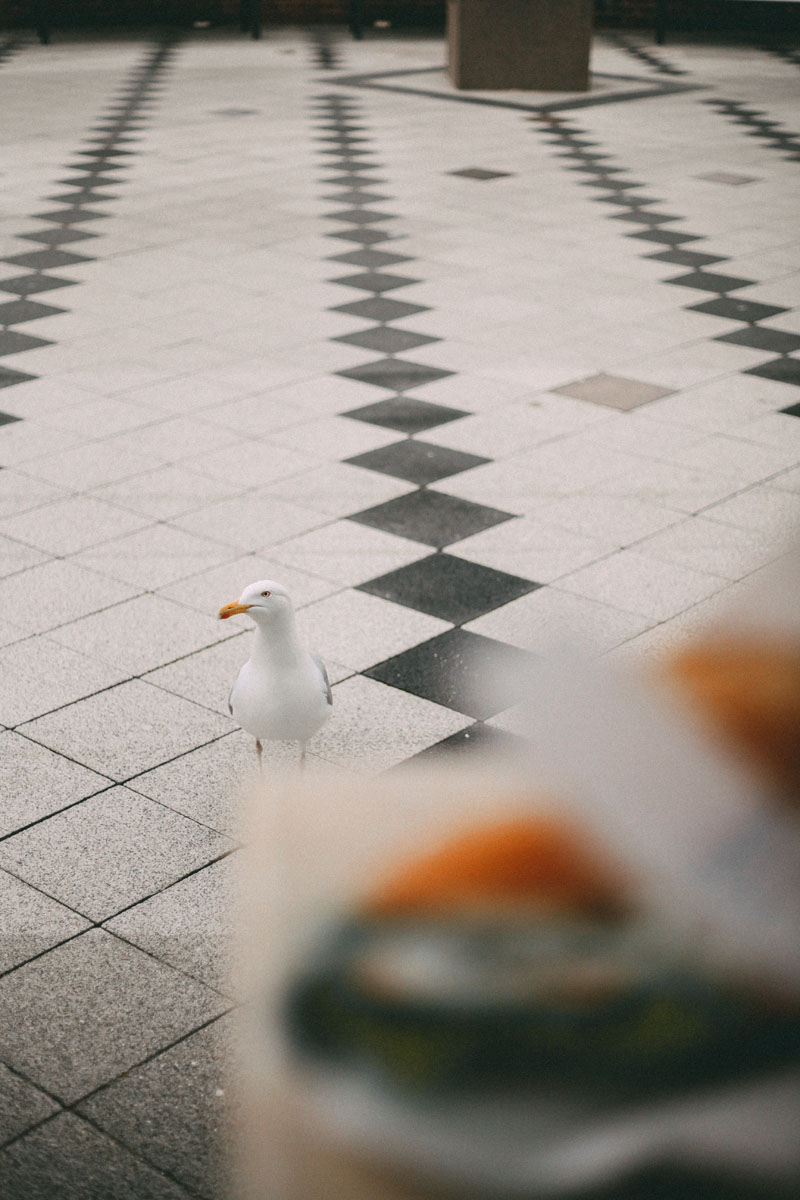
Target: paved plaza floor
{"points": [[467, 372]]}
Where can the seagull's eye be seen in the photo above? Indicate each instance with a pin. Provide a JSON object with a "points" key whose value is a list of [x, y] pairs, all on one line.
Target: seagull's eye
{"points": [[265, 594]]}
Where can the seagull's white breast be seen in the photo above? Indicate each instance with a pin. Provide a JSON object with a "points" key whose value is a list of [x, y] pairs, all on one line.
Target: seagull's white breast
{"points": [[278, 703]]}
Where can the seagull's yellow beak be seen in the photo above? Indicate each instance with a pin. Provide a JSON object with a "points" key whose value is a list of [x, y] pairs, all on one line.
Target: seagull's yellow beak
{"points": [[230, 610]]}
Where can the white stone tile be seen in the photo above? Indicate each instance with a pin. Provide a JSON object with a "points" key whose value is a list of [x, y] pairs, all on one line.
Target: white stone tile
{"points": [[19, 492], [66, 526], [56, 593], [109, 851], [375, 726], [141, 634], [251, 522], [632, 581], [35, 782], [358, 630], [550, 617], [88, 466], [251, 464], [710, 546], [339, 488], [769, 511], [44, 675], [153, 557], [532, 549], [15, 556], [32, 922], [347, 553], [127, 730], [168, 492]]}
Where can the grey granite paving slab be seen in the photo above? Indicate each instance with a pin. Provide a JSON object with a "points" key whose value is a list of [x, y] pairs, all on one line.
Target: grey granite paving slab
{"points": [[174, 1110], [66, 1159], [109, 851], [41, 675], [208, 676], [31, 922], [127, 729], [35, 782], [154, 557], [86, 1011], [57, 592], [21, 1105], [142, 634], [189, 925], [206, 784]]}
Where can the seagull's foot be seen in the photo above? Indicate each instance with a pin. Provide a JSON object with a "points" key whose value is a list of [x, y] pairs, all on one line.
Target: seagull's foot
{"points": [[302, 756], [259, 752]]}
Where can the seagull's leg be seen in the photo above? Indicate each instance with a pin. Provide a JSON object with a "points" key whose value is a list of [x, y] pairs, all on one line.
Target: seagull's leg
{"points": [[302, 755], [258, 752]]}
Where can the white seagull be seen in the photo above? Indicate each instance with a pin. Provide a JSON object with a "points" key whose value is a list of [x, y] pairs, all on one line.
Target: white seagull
{"points": [[282, 692]]}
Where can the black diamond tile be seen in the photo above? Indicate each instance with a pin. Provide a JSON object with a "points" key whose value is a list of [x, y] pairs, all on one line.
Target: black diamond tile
{"points": [[346, 152], [93, 179], [83, 196], [234, 112], [367, 237], [380, 308], [360, 216], [757, 336], [395, 373], [341, 138], [590, 169], [475, 739], [30, 285], [369, 258], [13, 312], [459, 670], [8, 418], [375, 281], [108, 152], [431, 517], [708, 281], [450, 588], [644, 217], [57, 237], [616, 185], [352, 178], [355, 196], [480, 173], [405, 414], [742, 310], [627, 201], [71, 216], [784, 370], [12, 342], [792, 411], [418, 462], [386, 338], [686, 258], [44, 260], [9, 378], [667, 236]]}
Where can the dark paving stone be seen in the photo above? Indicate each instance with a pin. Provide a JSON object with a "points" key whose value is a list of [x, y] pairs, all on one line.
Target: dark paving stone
{"points": [[12, 342], [369, 258], [71, 216], [395, 373], [109, 152], [708, 281], [9, 378], [353, 178], [480, 173], [345, 153], [57, 237], [356, 196], [380, 308], [234, 112], [459, 670], [625, 200], [450, 588], [8, 418], [44, 260], [367, 237], [405, 414], [650, 218], [784, 370], [668, 237], [31, 285], [13, 312], [431, 518], [418, 462], [91, 179], [616, 185], [388, 339], [342, 138], [741, 310], [360, 216], [84, 196], [476, 739], [375, 281], [761, 338], [686, 258], [588, 168], [792, 411]]}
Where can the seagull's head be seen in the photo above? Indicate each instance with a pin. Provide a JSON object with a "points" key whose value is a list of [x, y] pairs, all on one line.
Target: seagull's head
{"points": [[264, 601]]}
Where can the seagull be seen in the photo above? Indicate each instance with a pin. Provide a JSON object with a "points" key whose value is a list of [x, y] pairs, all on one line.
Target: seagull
{"points": [[282, 692]]}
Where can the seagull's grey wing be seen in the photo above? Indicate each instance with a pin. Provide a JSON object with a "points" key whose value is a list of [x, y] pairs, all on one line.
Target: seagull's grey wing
{"points": [[325, 680]]}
